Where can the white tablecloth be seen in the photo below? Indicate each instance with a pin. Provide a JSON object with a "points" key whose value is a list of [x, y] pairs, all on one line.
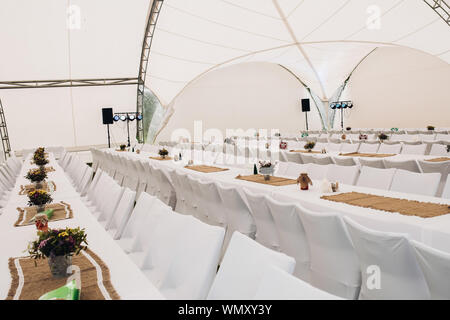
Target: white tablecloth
{"points": [[126, 277]]}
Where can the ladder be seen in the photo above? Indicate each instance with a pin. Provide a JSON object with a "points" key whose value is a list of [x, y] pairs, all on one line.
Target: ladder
{"points": [[4, 133]]}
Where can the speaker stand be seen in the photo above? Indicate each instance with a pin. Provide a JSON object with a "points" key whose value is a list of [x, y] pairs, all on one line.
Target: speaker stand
{"points": [[306, 117], [109, 138]]}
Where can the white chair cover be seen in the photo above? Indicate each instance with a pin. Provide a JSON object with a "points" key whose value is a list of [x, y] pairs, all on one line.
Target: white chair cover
{"points": [[388, 266], [343, 174], [266, 232], [334, 264], [435, 266], [120, 217], [410, 165], [375, 178], [277, 284], [419, 183], [242, 268]]}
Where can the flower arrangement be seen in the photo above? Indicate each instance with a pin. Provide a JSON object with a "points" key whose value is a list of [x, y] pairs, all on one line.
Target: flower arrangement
{"points": [[394, 129], [265, 164], [36, 175], [448, 148], [39, 159], [40, 151], [363, 137], [310, 145], [305, 134], [58, 242], [382, 136], [163, 152], [348, 128], [122, 147], [430, 127], [39, 197]]}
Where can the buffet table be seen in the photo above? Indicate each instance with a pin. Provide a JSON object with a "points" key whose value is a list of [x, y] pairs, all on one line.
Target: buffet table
{"points": [[126, 278]]}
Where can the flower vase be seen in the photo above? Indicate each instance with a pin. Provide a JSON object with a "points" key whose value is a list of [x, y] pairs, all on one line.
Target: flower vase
{"points": [[40, 208], [58, 265]]}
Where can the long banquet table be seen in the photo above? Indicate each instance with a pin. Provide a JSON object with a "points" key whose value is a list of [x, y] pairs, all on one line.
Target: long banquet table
{"points": [[127, 279], [432, 231]]}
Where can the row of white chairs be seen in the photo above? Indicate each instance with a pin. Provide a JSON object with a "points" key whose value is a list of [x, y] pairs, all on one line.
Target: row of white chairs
{"points": [[79, 173], [332, 270], [9, 171]]}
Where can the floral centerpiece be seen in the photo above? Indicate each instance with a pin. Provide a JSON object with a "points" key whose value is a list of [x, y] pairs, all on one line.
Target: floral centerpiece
{"points": [[309, 146], [431, 128], [266, 168], [448, 148], [122, 147], [39, 198], [363, 137], [58, 245], [39, 159], [348, 128], [37, 176], [163, 152], [382, 137], [40, 151]]}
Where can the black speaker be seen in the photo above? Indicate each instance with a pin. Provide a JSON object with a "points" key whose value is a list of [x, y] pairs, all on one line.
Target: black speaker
{"points": [[107, 114], [305, 105]]}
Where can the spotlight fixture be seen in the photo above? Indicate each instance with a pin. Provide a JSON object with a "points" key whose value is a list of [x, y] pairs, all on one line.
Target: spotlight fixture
{"points": [[344, 105], [123, 117], [350, 105], [139, 116], [338, 106], [333, 106], [116, 118], [131, 117]]}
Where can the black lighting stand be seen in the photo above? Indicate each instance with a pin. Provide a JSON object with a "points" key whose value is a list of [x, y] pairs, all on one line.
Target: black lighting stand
{"points": [[306, 117], [341, 105], [127, 116]]}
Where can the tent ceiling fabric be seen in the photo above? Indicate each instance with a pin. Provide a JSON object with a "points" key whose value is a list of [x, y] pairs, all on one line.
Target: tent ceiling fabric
{"points": [[320, 41], [71, 39]]}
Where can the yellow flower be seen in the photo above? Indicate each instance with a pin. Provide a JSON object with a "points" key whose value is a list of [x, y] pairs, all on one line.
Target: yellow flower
{"points": [[63, 234]]}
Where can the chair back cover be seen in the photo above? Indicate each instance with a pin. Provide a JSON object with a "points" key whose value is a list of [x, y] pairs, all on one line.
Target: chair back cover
{"points": [[388, 266], [418, 183]]}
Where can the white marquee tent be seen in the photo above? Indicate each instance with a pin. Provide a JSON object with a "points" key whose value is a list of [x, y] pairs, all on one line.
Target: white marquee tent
{"points": [[319, 41]]}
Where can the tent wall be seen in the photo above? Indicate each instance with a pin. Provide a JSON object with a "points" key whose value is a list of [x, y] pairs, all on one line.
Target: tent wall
{"points": [[245, 96], [46, 117], [398, 87]]}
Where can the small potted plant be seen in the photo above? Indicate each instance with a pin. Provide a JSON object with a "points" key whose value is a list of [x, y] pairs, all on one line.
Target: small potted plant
{"points": [[39, 198], [266, 168], [36, 176], [310, 145], [163, 152], [123, 147], [382, 137], [58, 245], [430, 128]]}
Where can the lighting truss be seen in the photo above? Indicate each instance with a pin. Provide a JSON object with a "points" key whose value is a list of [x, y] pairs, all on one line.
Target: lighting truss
{"points": [[441, 7], [34, 84], [145, 55]]}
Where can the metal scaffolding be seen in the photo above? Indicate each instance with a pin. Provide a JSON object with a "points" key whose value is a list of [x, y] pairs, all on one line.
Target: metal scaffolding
{"points": [[441, 7], [145, 55]]}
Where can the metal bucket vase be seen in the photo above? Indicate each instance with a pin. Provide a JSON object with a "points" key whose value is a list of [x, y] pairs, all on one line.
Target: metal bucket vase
{"points": [[58, 265]]}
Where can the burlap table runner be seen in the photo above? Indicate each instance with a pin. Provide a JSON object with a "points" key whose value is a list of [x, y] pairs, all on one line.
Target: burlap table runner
{"points": [[367, 155], [274, 181], [29, 282], [304, 151], [161, 158], [61, 211], [206, 169], [402, 206], [442, 159], [47, 186], [118, 150]]}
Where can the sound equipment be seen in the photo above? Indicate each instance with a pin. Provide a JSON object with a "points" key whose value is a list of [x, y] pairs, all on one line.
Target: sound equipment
{"points": [[305, 105], [107, 115]]}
